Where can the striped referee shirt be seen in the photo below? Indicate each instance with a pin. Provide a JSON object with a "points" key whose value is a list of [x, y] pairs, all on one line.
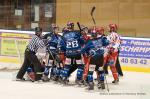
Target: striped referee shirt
{"points": [[35, 43]]}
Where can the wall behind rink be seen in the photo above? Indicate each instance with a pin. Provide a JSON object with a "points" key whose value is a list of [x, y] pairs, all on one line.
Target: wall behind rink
{"points": [[134, 52], [132, 16]]}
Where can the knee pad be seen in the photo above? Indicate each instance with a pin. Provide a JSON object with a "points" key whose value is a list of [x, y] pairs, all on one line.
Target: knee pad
{"points": [[101, 75], [66, 71], [80, 72], [90, 76], [61, 72], [100, 69], [111, 62], [68, 61], [92, 68], [58, 71]]}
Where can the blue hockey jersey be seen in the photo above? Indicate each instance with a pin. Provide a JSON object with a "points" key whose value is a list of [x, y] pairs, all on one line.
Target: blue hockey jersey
{"points": [[52, 40], [95, 47], [72, 43]]}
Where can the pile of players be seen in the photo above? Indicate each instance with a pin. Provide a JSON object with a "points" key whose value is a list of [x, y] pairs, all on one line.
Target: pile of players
{"points": [[87, 50]]}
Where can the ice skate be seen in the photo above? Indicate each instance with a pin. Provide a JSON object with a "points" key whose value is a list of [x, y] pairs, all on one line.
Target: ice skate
{"points": [[90, 86], [115, 81], [20, 79], [101, 85], [45, 78], [65, 81], [79, 82]]}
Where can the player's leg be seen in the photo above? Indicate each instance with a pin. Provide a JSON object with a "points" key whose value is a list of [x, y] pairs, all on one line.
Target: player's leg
{"points": [[73, 66], [118, 67], [101, 78], [37, 67], [105, 63], [65, 73], [100, 71], [80, 69], [90, 77], [86, 70], [61, 66], [24, 67], [112, 62]]}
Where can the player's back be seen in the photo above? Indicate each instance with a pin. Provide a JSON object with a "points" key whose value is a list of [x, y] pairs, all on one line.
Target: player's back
{"points": [[73, 42], [95, 47]]}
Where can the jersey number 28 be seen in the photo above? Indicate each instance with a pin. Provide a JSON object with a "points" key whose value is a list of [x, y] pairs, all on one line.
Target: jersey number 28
{"points": [[72, 44]]}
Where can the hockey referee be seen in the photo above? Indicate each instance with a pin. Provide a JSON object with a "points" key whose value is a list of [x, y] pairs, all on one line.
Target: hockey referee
{"points": [[30, 56]]}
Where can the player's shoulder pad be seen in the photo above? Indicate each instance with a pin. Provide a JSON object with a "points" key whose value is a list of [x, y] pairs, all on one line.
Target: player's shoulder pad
{"points": [[68, 32], [104, 37]]}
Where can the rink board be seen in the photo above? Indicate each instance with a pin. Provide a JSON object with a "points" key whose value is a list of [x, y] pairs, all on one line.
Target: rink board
{"points": [[134, 52]]}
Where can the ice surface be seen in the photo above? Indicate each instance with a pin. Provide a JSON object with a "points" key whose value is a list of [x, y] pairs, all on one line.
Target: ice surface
{"points": [[132, 86]]}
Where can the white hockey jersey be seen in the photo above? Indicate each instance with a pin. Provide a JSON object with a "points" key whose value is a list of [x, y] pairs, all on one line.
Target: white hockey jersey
{"points": [[115, 40]]}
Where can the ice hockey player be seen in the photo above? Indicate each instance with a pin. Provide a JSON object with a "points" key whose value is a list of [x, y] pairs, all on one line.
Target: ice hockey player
{"points": [[73, 42], [100, 34], [86, 37], [85, 32], [111, 57], [118, 67], [53, 61], [94, 50], [101, 31]]}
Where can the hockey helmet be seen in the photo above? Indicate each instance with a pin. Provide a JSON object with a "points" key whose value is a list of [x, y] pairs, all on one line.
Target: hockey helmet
{"points": [[70, 25], [113, 27], [84, 29], [93, 32], [100, 30]]}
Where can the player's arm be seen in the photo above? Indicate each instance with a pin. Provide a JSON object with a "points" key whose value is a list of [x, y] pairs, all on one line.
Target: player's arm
{"points": [[86, 48], [105, 41], [117, 42]]}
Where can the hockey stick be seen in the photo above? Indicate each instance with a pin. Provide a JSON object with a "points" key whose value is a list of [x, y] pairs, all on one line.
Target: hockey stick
{"points": [[106, 82], [92, 11], [52, 56], [79, 26]]}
